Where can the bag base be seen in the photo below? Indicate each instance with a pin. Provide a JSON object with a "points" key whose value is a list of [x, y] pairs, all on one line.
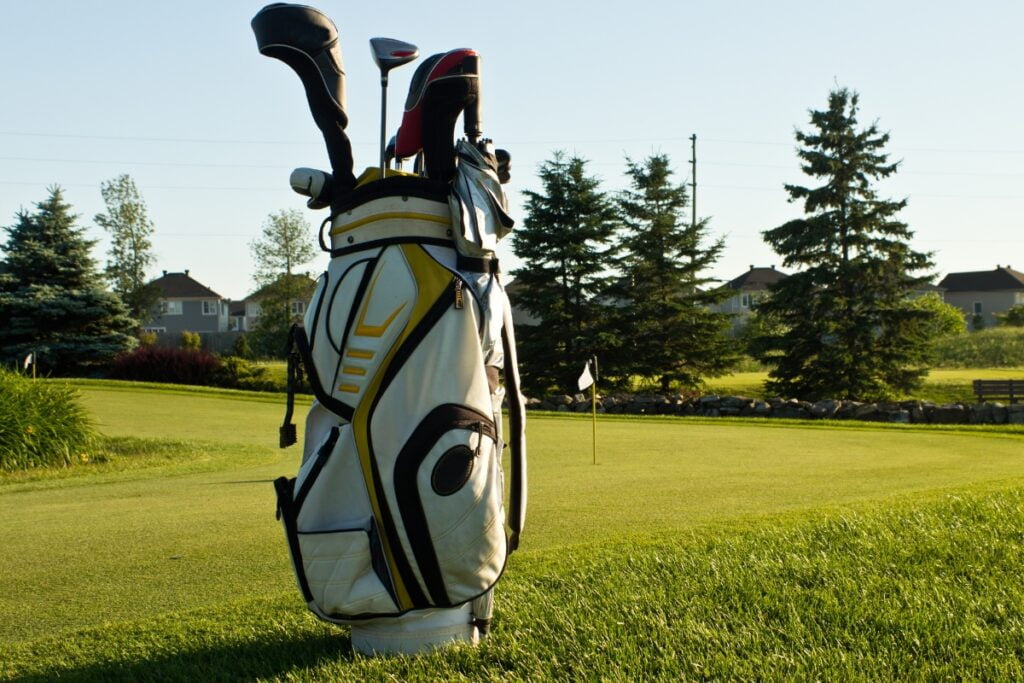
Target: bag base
{"points": [[415, 632]]}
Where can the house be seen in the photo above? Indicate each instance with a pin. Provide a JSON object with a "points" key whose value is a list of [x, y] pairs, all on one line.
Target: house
{"points": [[747, 290], [520, 316], [244, 313], [984, 292], [186, 304]]}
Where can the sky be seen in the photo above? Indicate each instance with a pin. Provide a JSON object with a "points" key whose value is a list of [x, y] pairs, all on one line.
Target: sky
{"points": [[176, 95]]}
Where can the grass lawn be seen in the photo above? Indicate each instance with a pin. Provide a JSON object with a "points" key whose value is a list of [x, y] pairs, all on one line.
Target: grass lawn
{"points": [[942, 385], [693, 549]]}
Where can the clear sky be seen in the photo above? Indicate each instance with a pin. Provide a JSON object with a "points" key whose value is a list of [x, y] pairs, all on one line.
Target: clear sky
{"points": [[176, 95]]}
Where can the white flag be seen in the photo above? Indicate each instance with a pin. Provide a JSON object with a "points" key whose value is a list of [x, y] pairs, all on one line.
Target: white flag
{"points": [[586, 379], [29, 360]]}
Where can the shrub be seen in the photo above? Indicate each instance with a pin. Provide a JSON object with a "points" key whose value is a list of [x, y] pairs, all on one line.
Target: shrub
{"points": [[191, 341], [41, 424], [147, 338], [998, 347], [238, 373], [161, 364], [1014, 316], [241, 348]]}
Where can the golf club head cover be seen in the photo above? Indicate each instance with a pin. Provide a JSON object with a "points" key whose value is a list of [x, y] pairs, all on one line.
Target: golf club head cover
{"points": [[307, 40], [315, 184], [443, 86]]}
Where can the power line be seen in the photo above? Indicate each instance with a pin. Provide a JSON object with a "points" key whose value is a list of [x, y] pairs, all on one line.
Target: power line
{"points": [[155, 187], [239, 141], [140, 163]]}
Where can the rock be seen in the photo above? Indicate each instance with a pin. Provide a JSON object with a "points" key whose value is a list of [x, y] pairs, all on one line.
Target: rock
{"points": [[825, 409], [950, 413], [762, 409], [868, 412], [1015, 414], [900, 416], [735, 402]]}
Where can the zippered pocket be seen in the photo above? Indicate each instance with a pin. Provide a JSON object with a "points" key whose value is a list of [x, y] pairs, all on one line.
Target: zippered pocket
{"points": [[345, 573], [447, 488]]}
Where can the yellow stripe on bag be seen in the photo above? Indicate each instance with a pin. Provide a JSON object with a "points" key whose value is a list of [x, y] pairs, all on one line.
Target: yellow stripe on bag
{"points": [[389, 216], [432, 280]]}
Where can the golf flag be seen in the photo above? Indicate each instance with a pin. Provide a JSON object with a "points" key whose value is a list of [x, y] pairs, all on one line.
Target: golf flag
{"points": [[29, 360], [586, 379]]}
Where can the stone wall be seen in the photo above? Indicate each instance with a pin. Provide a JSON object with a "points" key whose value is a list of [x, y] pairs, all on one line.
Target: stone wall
{"points": [[907, 412]]}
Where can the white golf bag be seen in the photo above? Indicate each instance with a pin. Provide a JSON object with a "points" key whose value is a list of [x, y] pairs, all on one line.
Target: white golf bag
{"points": [[396, 521]]}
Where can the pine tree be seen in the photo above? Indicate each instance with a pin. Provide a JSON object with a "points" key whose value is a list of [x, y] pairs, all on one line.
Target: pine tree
{"points": [[130, 254], [666, 327], [851, 331], [564, 243], [50, 299]]}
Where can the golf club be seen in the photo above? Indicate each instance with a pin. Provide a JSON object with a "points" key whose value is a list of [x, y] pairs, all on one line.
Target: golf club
{"points": [[388, 54], [307, 40]]}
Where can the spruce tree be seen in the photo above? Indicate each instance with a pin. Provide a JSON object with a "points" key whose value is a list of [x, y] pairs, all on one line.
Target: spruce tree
{"points": [[850, 330], [565, 245], [665, 324], [51, 300]]}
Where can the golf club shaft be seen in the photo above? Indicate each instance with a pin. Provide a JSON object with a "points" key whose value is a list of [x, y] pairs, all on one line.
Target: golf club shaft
{"points": [[383, 121]]}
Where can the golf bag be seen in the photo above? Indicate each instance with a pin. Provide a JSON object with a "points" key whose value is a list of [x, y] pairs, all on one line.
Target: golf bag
{"points": [[396, 522]]}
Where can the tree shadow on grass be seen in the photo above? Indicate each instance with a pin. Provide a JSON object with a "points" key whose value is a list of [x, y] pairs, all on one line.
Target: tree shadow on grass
{"points": [[267, 657]]}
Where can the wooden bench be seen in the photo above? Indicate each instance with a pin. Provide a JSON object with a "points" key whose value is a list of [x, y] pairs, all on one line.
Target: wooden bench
{"points": [[999, 388]]}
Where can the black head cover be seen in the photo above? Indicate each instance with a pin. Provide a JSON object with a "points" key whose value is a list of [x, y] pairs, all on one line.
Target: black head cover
{"points": [[307, 40], [444, 86]]}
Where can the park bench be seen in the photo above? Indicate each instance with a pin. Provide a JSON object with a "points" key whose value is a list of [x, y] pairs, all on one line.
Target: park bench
{"points": [[999, 388]]}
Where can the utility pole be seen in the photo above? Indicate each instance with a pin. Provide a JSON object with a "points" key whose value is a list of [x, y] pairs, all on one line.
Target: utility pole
{"points": [[693, 183]]}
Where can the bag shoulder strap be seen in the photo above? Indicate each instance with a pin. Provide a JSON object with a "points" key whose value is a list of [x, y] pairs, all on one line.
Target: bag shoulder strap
{"points": [[517, 429]]}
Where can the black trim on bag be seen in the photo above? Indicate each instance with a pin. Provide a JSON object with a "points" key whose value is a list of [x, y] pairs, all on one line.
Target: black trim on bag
{"points": [[438, 421], [334, 295], [319, 305], [357, 302], [395, 186], [322, 454], [343, 410], [285, 488], [476, 265], [388, 241]]}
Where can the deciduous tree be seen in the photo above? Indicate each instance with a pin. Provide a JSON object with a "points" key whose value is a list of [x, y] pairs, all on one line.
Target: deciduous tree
{"points": [[285, 244], [131, 252]]}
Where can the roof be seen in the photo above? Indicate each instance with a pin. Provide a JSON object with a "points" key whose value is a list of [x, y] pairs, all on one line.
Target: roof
{"points": [[984, 280], [181, 286], [756, 279]]}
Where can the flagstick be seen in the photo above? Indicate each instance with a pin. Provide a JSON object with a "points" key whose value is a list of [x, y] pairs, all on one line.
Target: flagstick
{"points": [[593, 407]]}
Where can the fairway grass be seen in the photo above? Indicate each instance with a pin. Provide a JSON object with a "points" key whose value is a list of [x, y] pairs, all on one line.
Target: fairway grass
{"points": [[692, 549]]}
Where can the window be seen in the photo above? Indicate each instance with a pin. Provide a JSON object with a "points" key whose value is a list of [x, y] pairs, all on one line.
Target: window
{"points": [[298, 307], [170, 308], [210, 307], [745, 300], [977, 308], [1018, 297], [155, 330]]}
